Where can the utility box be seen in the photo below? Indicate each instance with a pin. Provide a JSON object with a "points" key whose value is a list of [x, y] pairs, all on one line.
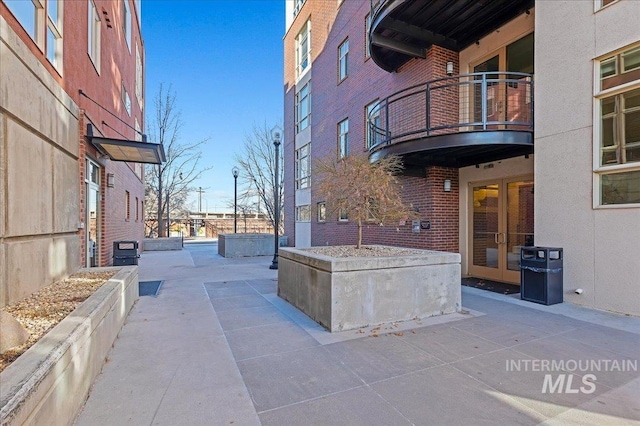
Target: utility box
{"points": [[125, 253], [541, 275]]}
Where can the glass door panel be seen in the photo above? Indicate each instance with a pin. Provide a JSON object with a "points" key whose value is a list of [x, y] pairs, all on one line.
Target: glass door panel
{"points": [[501, 218], [485, 226]]}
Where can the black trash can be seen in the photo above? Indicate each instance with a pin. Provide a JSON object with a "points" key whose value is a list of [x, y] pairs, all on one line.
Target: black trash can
{"points": [[541, 275], [125, 253]]}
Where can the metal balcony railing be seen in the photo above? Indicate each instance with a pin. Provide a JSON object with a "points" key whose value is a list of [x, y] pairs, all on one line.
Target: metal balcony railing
{"points": [[476, 102]]}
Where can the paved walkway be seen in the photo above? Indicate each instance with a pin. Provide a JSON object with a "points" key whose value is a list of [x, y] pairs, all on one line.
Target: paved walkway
{"points": [[217, 346]]}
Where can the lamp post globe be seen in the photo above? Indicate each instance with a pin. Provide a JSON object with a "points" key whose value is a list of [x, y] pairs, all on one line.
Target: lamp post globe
{"points": [[235, 173], [276, 136]]}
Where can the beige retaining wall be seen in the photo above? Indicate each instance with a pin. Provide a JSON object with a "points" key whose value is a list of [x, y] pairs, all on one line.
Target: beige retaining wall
{"points": [[50, 382]]}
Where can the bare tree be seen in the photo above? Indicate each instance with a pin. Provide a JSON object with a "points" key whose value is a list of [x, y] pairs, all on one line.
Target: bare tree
{"points": [[363, 191], [257, 176], [168, 185], [247, 204]]}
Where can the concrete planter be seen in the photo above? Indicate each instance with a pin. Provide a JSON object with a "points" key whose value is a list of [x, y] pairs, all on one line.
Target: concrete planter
{"points": [[348, 293], [162, 244], [50, 382], [247, 245]]}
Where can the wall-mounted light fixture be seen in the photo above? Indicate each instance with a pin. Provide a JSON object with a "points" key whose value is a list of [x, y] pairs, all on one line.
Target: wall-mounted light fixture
{"points": [[111, 180], [449, 68], [447, 185]]}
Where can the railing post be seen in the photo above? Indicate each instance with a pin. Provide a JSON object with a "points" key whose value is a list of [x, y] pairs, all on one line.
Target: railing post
{"points": [[484, 101]]}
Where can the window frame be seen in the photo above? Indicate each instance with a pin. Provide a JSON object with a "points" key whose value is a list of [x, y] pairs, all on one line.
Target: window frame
{"points": [[302, 122], [343, 60], [37, 19], [139, 78], [126, 23], [303, 60], [343, 215], [303, 167], [601, 4], [94, 35], [367, 130], [55, 29], [127, 196], [303, 213], [343, 138], [321, 212], [617, 93], [126, 99]]}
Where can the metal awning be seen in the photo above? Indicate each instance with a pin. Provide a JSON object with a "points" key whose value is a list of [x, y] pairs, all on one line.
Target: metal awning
{"points": [[127, 150]]}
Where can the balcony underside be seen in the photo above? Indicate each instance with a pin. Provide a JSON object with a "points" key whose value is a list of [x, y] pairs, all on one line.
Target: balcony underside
{"points": [[459, 149], [404, 29]]}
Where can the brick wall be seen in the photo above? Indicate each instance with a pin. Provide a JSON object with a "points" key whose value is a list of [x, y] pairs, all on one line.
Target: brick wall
{"points": [[334, 101]]}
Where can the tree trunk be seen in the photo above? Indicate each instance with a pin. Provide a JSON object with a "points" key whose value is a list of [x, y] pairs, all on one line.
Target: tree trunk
{"points": [[359, 234]]}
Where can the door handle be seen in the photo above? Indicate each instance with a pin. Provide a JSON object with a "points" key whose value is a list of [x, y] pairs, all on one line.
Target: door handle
{"points": [[495, 237]]}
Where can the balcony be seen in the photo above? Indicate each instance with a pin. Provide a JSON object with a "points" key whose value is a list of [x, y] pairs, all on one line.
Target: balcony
{"points": [[403, 29], [455, 121]]}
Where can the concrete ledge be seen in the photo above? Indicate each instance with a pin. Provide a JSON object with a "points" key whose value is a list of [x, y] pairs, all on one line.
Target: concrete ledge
{"points": [[162, 244], [50, 382], [247, 245], [347, 293]]}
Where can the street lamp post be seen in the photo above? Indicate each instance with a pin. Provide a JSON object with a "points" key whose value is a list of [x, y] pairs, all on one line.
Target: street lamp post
{"points": [[276, 199], [235, 172]]}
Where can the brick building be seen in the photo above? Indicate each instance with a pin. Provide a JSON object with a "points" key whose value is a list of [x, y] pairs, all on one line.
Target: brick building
{"points": [[449, 87], [71, 113]]}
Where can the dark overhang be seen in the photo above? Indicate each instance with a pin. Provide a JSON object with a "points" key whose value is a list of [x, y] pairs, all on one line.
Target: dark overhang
{"points": [[405, 29], [460, 149], [127, 150]]}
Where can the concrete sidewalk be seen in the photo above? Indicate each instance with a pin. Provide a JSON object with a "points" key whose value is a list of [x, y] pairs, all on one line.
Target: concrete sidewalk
{"points": [[217, 346]]}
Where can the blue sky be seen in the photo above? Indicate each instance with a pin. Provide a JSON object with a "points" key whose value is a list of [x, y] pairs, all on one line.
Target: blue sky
{"points": [[224, 60]]}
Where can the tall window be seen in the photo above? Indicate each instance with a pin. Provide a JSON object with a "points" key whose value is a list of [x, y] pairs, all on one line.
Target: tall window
{"points": [[137, 210], [303, 167], [126, 22], [139, 78], [372, 123], [28, 13], [303, 107], [343, 138], [126, 99], [303, 213], [297, 6], [303, 49], [618, 164], [343, 60], [54, 33], [94, 35], [322, 212]]}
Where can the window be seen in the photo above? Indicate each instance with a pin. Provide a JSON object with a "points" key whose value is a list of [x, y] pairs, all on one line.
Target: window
{"points": [[303, 213], [618, 138], [54, 33], [127, 199], [343, 60], [372, 123], [94, 35], [303, 167], [126, 22], [303, 107], [139, 78], [322, 212], [343, 216], [126, 100], [303, 49], [297, 6], [367, 25], [343, 138], [602, 3], [137, 210], [28, 13]]}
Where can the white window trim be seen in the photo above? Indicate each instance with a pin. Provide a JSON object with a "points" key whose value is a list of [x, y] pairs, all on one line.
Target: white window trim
{"points": [[374, 104], [321, 206], [342, 154], [344, 57], [298, 103], [139, 79], [599, 170], [299, 209], [127, 23], [56, 30], [94, 35], [597, 5], [306, 31], [302, 181]]}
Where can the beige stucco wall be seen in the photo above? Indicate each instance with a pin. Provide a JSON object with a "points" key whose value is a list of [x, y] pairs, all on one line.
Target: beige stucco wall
{"points": [[601, 245], [39, 186]]}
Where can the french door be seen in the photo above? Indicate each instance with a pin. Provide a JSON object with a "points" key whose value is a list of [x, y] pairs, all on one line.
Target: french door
{"points": [[501, 222]]}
